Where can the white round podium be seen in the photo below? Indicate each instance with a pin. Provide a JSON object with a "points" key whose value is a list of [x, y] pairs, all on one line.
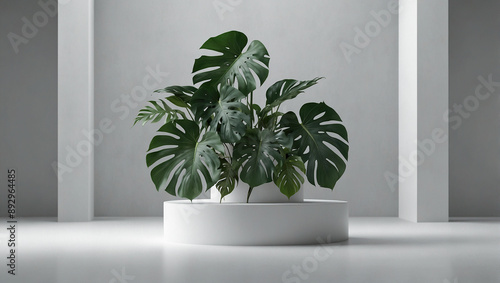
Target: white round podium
{"points": [[208, 222]]}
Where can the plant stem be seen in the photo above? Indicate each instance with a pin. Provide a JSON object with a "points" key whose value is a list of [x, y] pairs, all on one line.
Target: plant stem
{"points": [[251, 109], [275, 124], [250, 189]]}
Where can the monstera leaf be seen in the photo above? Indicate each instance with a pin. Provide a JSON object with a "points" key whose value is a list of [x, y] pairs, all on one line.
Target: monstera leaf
{"points": [[226, 113], [314, 141], [188, 161], [284, 90], [228, 178], [288, 174], [182, 93], [256, 152], [232, 65], [158, 112]]}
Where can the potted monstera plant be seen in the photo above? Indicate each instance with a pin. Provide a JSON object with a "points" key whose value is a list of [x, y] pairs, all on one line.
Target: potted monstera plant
{"points": [[214, 135]]}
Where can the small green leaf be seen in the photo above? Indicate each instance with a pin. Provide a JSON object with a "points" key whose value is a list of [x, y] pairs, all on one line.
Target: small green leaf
{"points": [[182, 92], [257, 109], [284, 90], [159, 110], [228, 178], [288, 175], [177, 101]]}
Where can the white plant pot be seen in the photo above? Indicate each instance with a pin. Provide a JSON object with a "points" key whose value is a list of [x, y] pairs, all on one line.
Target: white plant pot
{"points": [[207, 222], [265, 193]]}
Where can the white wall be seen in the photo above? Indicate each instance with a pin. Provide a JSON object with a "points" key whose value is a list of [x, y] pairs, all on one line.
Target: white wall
{"points": [[303, 39], [28, 106], [474, 130]]}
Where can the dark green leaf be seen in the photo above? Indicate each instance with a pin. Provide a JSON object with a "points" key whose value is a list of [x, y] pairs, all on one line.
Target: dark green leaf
{"points": [[284, 90], [288, 175], [232, 65], [314, 141], [270, 121], [257, 152], [177, 101], [228, 178], [188, 161], [182, 92], [257, 109], [286, 141], [228, 115], [157, 112]]}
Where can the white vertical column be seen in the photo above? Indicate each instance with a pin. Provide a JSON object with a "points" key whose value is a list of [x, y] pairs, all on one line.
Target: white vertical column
{"points": [[75, 110], [408, 91], [432, 106], [423, 102]]}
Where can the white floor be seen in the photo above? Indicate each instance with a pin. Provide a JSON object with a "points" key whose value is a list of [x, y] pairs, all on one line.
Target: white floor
{"points": [[119, 250]]}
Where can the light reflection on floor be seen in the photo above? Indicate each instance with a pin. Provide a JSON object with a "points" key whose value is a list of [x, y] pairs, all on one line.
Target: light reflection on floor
{"points": [[119, 250]]}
